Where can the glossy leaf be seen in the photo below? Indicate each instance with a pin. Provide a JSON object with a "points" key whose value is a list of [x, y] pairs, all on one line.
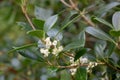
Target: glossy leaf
{"points": [[103, 22], [108, 7], [37, 33], [116, 21], [31, 55], [115, 33], [99, 34], [38, 23], [74, 45], [81, 74], [23, 47], [81, 37], [52, 33], [79, 53], [49, 23], [42, 14]]}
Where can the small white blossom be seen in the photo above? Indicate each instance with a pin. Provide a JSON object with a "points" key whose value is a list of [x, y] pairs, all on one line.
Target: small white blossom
{"points": [[90, 66], [48, 42], [55, 51], [45, 52], [54, 42], [83, 60], [60, 49], [73, 71]]}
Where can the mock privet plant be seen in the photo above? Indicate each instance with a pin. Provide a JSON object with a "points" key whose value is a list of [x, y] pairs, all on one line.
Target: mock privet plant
{"points": [[75, 58]]}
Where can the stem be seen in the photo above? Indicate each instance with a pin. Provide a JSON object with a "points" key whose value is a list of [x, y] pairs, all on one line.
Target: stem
{"points": [[87, 20], [23, 7]]}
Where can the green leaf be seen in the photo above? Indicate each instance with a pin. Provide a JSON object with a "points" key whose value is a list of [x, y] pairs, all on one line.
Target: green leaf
{"points": [[73, 45], [65, 75], [108, 7], [81, 74], [24, 25], [52, 33], [116, 21], [42, 14], [70, 22], [99, 49], [115, 33], [22, 47], [79, 53], [37, 33], [79, 42], [38, 23], [81, 37], [103, 22], [99, 34], [110, 50], [31, 55], [49, 23]]}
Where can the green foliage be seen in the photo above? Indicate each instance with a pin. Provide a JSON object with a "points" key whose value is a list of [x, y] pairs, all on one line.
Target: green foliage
{"points": [[81, 74], [70, 43]]}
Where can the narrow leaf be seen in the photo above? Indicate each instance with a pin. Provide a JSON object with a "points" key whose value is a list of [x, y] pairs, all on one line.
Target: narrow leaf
{"points": [[81, 37], [103, 22], [31, 55], [37, 33], [22, 47], [116, 21], [49, 23], [99, 34], [74, 45]]}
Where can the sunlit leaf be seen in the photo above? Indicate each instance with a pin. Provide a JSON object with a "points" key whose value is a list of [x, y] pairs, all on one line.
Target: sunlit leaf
{"points": [[42, 14], [99, 34], [52, 33], [49, 23], [116, 21], [37, 33]]}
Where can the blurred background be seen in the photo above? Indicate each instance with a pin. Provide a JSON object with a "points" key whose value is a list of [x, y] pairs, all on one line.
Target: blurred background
{"points": [[14, 66]]}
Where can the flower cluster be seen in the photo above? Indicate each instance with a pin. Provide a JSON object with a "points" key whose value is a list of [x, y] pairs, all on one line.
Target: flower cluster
{"points": [[50, 47], [81, 61], [90, 66]]}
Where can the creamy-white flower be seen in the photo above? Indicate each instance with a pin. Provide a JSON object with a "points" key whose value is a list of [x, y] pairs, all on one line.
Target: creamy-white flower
{"points": [[45, 52], [48, 43], [83, 60], [73, 71], [54, 42]]}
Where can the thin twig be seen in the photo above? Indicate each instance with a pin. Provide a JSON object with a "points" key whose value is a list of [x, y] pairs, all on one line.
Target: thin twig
{"points": [[23, 7], [74, 6], [65, 3], [87, 20]]}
